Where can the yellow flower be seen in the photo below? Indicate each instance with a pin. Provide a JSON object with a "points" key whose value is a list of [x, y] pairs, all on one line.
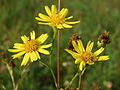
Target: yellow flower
{"points": [[30, 48], [85, 56], [55, 18]]}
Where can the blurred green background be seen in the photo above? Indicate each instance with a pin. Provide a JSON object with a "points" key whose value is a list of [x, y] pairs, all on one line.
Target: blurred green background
{"points": [[17, 18]]}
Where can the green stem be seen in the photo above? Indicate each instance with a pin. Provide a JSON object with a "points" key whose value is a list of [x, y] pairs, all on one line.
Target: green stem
{"points": [[51, 67], [72, 80], [11, 74], [51, 72], [80, 77], [51, 51], [23, 73]]}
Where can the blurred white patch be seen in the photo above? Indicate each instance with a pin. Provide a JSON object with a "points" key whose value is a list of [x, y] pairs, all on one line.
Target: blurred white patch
{"points": [[66, 64], [107, 84], [66, 83]]}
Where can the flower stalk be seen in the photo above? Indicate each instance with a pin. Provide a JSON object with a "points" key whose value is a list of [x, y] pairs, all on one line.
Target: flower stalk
{"points": [[80, 77], [11, 74], [72, 80], [51, 51], [58, 65], [22, 75]]}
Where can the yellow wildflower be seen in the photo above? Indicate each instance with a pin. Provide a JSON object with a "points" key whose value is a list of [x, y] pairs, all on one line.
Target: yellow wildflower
{"points": [[30, 48], [55, 18], [86, 56]]}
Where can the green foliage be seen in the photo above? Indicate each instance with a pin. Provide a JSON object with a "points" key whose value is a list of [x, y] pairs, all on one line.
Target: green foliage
{"points": [[17, 18]]}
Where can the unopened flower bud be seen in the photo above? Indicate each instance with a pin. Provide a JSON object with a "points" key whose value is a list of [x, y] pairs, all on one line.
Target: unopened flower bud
{"points": [[103, 39], [74, 37]]}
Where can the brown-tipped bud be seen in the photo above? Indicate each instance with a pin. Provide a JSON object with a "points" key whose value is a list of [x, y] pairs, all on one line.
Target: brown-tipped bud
{"points": [[104, 38], [12, 63], [74, 37], [4, 57]]}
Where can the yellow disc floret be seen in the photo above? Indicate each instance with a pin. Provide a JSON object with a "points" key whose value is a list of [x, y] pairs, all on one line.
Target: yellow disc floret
{"points": [[56, 19], [31, 45], [87, 57]]}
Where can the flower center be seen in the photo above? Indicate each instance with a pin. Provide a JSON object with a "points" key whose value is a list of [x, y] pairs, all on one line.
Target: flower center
{"points": [[87, 57], [56, 19], [31, 46]]}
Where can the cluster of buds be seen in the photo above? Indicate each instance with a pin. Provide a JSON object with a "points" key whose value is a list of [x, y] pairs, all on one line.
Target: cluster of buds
{"points": [[104, 39]]}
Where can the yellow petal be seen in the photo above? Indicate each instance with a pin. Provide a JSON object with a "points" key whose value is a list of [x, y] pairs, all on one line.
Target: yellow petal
{"points": [[46, 46], [67, 26], [80, 45], [32, 34], [24, 38], [59, 26], [72, 22], [48, 10], [53, 9], [42, 38], [43, 51], [15, 50], [63, 9], [43, 16], [18, 54], [38, 56], [44, 23], [18, 46], [77, 61], [64, 13], [99, 51], [82, 65], [75, 46], [89, 46], [25, 59], [33, 56], [103, 58], [91, 63], [74, 54], [39, 19], [68, 18]]}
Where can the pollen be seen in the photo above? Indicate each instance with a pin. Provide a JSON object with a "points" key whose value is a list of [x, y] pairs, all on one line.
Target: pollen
{"points": [[56, 19], [31, 46], [87, 57]]}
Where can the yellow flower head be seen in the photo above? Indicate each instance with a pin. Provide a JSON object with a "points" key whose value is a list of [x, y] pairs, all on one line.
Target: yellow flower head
{"points": [[30, 48], [55, 18], [85, 56]]}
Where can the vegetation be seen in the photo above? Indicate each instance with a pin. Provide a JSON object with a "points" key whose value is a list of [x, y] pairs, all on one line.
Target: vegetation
{"points": [[17, 17]]}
